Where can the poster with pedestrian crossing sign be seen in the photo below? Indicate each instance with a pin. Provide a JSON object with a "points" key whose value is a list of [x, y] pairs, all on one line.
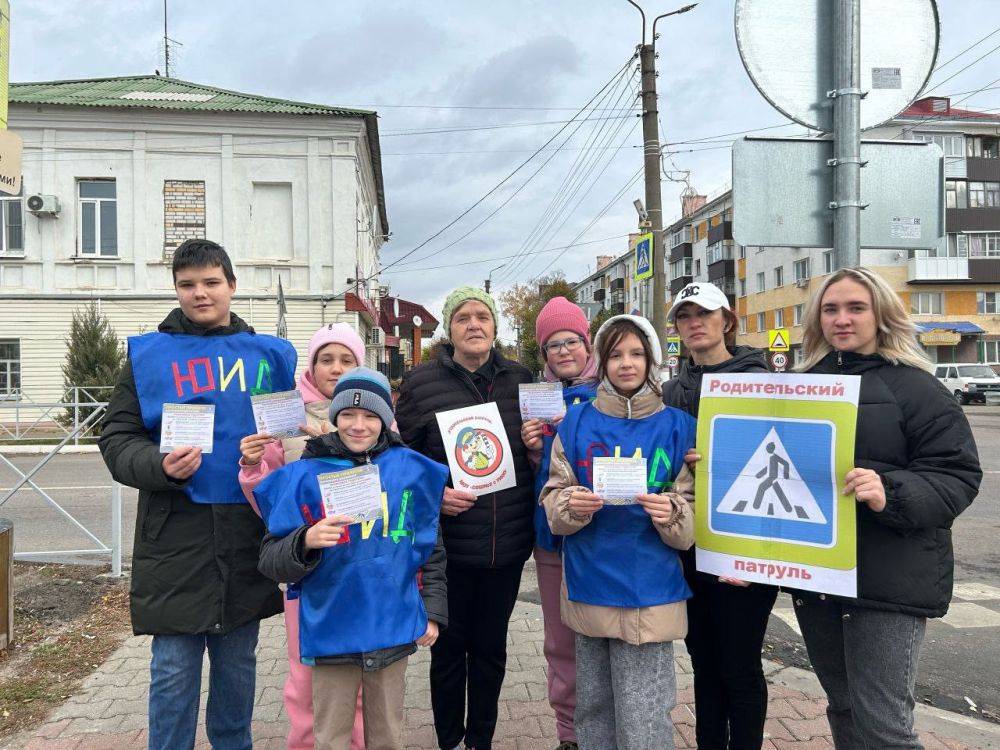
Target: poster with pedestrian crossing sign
{"points": [[769, 504]]}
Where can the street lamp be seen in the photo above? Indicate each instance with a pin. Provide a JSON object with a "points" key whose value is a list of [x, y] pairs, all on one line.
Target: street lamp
{"points": [[677, 12], [489, 276]]}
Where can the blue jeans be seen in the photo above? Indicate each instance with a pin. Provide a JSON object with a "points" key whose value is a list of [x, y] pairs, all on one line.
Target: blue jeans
{"points": [[175, 689], [866, 660]]}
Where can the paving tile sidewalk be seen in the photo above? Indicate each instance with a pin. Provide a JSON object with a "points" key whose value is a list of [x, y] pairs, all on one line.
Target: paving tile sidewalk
{"points": [[109, 713]]}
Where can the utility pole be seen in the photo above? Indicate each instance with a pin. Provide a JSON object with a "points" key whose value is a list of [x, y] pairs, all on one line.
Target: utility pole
{"points": [[846, 160], [651, 160]]}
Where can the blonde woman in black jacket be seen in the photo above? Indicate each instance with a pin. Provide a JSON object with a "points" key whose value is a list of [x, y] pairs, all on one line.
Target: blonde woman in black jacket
{"points": [[916, 469]]}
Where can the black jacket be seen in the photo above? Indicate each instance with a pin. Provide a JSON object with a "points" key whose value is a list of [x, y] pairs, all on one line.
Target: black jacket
{"points": [[498, 530], [285, 559], [194, 566], [684, 391], [913, 433]]}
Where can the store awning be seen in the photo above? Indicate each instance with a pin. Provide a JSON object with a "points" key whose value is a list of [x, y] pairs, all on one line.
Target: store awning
{"points": [[957, 326]]}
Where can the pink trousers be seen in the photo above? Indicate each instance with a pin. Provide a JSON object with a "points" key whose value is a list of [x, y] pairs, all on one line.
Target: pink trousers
{"points": [[559, 646], [298, 691]]}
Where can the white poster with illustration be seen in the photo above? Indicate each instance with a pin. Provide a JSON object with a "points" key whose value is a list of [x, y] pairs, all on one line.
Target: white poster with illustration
{"points": [[478, 449]]}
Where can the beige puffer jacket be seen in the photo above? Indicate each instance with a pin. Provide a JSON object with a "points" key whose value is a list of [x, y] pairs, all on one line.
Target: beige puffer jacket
{"points": [[665, 622]]}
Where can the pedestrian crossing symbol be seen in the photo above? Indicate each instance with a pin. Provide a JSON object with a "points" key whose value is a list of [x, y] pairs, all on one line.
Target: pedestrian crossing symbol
{"points": [[644, 256], [772, 478], [673, 346]]}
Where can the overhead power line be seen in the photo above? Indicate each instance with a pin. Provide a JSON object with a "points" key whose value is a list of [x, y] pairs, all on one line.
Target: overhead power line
{"points": [[511, 174]]}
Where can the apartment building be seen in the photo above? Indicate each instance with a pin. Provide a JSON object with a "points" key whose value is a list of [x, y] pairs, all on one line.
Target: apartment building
{"points": [[953, 292]]}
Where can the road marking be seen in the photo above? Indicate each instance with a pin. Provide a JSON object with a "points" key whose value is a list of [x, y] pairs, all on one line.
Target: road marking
{"points": [[788, 617], [976, 592], [968, 615], [67, 487]]}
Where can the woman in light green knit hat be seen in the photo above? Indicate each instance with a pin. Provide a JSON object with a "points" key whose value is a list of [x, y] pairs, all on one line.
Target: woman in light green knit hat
{"points": [[487, 538], [462, 295]]}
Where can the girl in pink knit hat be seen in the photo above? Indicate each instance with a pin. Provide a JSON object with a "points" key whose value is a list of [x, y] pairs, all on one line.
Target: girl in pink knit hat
{"points": [[333, 350], [563, 336]]}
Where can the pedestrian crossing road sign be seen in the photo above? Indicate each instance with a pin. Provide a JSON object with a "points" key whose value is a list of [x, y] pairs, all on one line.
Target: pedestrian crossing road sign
{"points": [[673, 346], [773, 479], [777, 340], [769, 508], [644, 256]]}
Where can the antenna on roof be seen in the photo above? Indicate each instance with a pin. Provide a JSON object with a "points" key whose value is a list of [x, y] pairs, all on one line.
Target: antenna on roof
{"points": [[167, 41]]}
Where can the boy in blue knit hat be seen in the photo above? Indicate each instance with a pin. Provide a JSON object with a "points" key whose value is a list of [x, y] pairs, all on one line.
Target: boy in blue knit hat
{"points": [[370, 592]]}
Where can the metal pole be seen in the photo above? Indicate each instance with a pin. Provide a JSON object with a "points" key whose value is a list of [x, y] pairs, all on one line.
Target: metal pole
{"points": [[654, 209], [116, 530], [846, 162]]}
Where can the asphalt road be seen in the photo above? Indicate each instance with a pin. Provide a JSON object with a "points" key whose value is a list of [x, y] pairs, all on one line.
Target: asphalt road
{"points": [[960, 661]]}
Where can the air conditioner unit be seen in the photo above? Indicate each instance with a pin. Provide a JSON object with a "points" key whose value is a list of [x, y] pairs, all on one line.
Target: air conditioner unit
{"points": [[43, 204], [376, 337], [801, 283]]}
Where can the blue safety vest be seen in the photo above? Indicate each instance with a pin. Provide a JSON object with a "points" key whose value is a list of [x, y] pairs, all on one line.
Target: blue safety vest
{"points": [[619, 559], [363, 595], [178, 368], [544, 538]]}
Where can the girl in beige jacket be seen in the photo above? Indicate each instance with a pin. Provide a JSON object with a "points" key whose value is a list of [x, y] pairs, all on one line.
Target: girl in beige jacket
{"points": [[623, 587]]}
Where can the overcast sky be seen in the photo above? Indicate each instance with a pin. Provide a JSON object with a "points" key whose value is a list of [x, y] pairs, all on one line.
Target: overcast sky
{"points": [[453, 65]]}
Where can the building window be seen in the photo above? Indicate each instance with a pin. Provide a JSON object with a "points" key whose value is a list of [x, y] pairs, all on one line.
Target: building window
{"points": [[981, 244], [926, 303], [951, 144], [743, 287], [990, 352], [779, 318], [797, 312], [828, 261], [982, 146], [984, 194], [986, 303], [958, 247], [956, 194], [719, 251], [10, 368], [743, 251], [697, 267], [680, 236], [760, 281], [97, 230], [761, 322], [801, 269], [680, 268], [779, 276], [743, 324], [12, 236], [797, 357]]}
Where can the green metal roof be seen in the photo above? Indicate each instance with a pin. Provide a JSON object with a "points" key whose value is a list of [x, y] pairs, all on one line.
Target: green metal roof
{"points": [[162, 93], [158, 92]]}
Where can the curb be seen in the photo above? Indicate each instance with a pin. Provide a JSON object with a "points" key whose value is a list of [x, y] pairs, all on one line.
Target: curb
{"points": [[965, 729], [35, 450]]}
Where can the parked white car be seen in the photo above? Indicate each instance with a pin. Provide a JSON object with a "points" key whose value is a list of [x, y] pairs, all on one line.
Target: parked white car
{"points": [[969, 381]]}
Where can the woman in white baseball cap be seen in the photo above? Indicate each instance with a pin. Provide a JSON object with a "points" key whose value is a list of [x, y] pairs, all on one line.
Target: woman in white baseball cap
{"points": [[727, 619]]}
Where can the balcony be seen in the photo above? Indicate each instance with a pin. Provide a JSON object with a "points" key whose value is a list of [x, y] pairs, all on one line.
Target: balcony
{"points": [[679, 252], [722, 269], [617, 284], [679, 283], [980, 169], [720, 232], [599, 295], [937, 269], [972, 219]]}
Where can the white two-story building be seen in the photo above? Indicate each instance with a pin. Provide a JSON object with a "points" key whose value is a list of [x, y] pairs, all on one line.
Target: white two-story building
{"points": [[119, 171]]}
